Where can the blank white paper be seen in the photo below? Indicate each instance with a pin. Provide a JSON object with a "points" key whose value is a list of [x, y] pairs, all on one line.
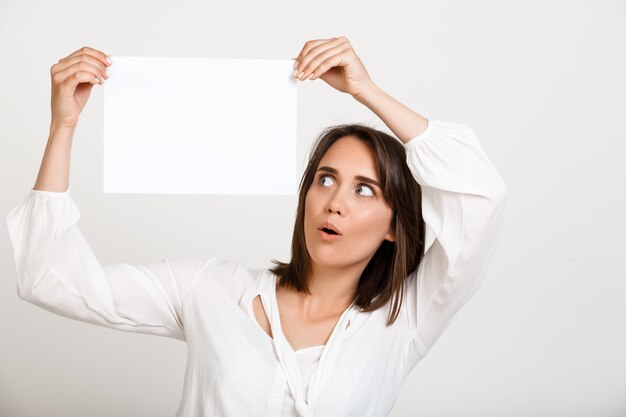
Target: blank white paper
{"points": [[200, 126]]}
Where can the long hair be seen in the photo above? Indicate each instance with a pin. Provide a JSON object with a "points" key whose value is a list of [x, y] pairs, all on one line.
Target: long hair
{"points": [[385, 275]]}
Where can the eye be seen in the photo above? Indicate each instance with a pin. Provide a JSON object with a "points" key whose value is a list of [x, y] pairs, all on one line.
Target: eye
{"points": [[371, 190], [369, 193], [322, 178]]}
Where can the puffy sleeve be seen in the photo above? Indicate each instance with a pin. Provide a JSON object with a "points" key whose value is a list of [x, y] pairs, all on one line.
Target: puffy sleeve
{"points": [[58, 271], [463, 200]]}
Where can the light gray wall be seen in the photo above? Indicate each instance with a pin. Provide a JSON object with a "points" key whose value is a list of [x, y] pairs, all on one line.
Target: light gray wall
{"points": [[541, 83]]}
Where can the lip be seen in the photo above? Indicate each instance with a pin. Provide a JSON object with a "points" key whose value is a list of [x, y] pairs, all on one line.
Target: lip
{"points": [[327, 237], [329, 225]]}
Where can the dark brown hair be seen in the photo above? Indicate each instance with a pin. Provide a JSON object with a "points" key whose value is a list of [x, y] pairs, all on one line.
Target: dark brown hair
{"points": [[385, 274]]}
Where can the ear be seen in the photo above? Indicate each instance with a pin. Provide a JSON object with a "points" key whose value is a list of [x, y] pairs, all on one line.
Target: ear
{"points": [[391, 235]]}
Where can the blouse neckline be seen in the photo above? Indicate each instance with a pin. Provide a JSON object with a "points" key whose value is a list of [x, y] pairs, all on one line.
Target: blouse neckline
{"points": [[287, 357]]}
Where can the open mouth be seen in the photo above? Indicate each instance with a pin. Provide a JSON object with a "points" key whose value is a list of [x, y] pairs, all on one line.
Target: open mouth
{"points": [[329, 231]]}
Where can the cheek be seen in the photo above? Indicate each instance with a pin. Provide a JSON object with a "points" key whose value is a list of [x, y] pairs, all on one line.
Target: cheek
{"points": [[310, 208], [370, 220], [312, 202], [307, 204]]}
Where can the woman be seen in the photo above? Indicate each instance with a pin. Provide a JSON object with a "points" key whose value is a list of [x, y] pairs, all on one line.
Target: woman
{"points": [[391, 239]]}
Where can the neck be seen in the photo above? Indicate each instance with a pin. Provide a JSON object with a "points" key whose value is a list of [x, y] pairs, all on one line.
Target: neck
{"points": [[332, 290]]}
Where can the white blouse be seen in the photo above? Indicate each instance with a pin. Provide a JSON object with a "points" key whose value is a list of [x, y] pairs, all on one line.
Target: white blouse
{"points": [[234, 368]]}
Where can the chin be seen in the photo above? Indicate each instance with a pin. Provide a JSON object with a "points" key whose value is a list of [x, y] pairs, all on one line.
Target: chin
{"points": [[327, 256]]}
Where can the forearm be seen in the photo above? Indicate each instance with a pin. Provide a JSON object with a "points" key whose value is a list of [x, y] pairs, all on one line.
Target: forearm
{"points": [[402, 121], [54, 172]]}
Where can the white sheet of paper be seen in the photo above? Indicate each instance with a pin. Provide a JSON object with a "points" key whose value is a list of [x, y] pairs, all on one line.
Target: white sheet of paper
{"points": [[200, 126]]}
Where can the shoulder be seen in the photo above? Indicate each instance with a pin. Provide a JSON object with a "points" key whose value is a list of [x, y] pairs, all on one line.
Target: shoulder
{"points": [[230, 269], [232, 276]]}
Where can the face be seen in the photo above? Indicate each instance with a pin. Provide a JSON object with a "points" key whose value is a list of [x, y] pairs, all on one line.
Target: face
{"points": [[340, 195]]}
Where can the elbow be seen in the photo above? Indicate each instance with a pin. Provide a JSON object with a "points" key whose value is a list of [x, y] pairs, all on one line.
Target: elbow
{"points": [[46, 298], [25, 292], [26, 288], [502, 192], [495, 198], [499, 190]]}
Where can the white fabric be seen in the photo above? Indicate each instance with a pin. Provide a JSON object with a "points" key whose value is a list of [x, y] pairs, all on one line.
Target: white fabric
{"points": [[234, 368], [308, 358]]}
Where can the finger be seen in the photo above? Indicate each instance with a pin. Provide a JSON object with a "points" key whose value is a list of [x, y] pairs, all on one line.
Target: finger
{"points": [[316, 60], [99, 55], [328, 63], [76, 78], [61, 66], [76, 67], [312, 51], [81, 66], [305, 61], [308, 45]]}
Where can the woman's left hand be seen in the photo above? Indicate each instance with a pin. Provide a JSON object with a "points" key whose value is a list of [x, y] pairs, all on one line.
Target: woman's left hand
{"points": [[335, 62]]}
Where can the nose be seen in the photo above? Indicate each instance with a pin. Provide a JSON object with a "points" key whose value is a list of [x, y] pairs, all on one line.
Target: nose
{"points": [[335, 205]]}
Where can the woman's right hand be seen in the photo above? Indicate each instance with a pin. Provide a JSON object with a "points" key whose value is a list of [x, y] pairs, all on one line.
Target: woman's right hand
{"points": [[73, 77]]}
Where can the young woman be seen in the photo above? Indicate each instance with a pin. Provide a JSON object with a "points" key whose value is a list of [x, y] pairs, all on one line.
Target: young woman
{"points": [[392, 238]]}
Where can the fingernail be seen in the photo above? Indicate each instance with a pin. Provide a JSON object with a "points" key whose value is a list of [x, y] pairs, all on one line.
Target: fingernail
{"points": [[295, 72], [106, 73], [311, 76], [301, 74], [109, 60]]}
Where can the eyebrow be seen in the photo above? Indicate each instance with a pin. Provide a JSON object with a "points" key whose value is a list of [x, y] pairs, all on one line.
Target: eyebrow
{"points": [[357, 177]]}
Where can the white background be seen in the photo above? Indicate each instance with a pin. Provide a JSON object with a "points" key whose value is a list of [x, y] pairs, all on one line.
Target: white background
{"points": [[541, 83]]}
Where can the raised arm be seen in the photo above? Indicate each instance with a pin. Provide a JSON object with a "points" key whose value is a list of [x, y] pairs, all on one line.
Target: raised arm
{"points": [[56, 268], [463, 200], [463, 195], [72, 79]]}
